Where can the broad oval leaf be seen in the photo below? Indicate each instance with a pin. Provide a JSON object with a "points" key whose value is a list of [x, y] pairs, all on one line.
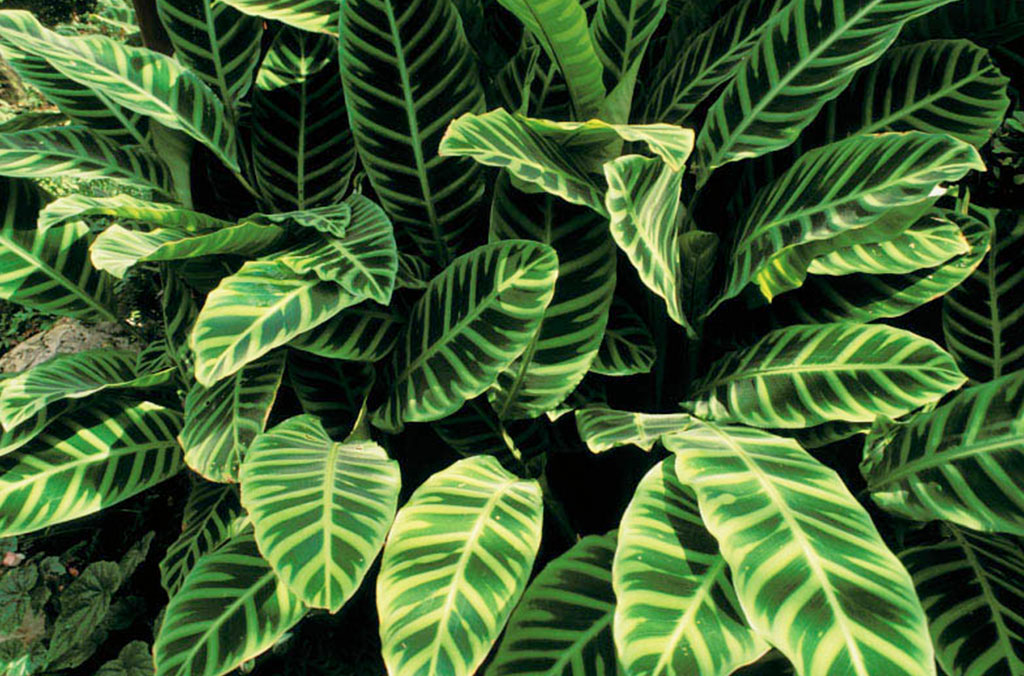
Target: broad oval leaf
{"points": [[677, 613], [212, 516], [332, 390], [812, 574], [563, 625], [455, 564], [807, 54], [408, 71], [361, 333], [627, 347], [222, 420], [318, 16], [960, 462], [564, 345], [452, 350], [85, 461], [260, 307], [602, 428], [972, 586], [128, 208], [803, 376], [230, 608], [320, 509]]}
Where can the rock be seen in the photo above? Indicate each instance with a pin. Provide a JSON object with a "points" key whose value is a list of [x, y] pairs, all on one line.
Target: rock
{"points": [[66, 336]]}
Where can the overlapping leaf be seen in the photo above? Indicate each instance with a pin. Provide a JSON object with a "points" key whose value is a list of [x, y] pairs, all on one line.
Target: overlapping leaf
{"points": [[408, 71], [320, 508], [960, 462], [329, 389], [451, 351], [320, 16], [126, 207], [627, 347], [455, 563], [365, 332], [807, 375], [85, 461], [784, 521], [602, 428], [676, 613]]}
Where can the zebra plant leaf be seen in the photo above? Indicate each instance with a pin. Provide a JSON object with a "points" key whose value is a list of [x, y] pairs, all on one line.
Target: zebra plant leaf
{"points": [[448, 354], [222, 420], [49, 271], [560, 26], [117, 250], [977, 576], [866, 297], [449, 580], [621, 30], [262, 306], [361, 333], [303, 153], [85, 461], [79, 152], [141, 80], [216, 42], [983, 318], [230, 608], [476, 430], [865, 177], [807, 54], [627, 347], [14, 437], [602, 428], [807, 375], [561, 350], [213, 515], [363, 262], [959, 462], [318, 16], [677, 612], [329, 389], [127, 208], [563, 625], [810, 541], [391, 59], [643, 201], [320, 509], [989, 22]]}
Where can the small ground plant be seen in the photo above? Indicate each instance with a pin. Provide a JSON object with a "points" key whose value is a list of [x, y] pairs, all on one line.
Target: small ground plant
{"points": [[433, 274]]}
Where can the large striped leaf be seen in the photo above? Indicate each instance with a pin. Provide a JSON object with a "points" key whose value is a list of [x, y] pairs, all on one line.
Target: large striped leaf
{"points": [[320, 508], [79, 152], [408, 71], [455, 563], [677, 613], [627, 347], [68, 376], [178, 310], [363, 262], [643, 202], [128, 208], [866, 297], [706, 61], [563, 625], [476, 430], [231, 607], [260, 307], [320, 16], [972, 588], [620, 31], [803, 376], [141, 80], [361, 333], [333, 391], [560, 26], [983, 318], [961, 462], [213, 515], [987, 22], [839, 188], [940, 87], [807, 54], [117, 249], [48, 271], [86, 461], [303, 154], [812, 574], [602, 428], [451, 350], [563, 347], [222, 420], [13, 438], [216, 42]]}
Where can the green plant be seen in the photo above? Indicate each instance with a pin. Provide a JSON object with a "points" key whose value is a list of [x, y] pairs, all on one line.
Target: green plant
{"points": [[750, 236]]}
